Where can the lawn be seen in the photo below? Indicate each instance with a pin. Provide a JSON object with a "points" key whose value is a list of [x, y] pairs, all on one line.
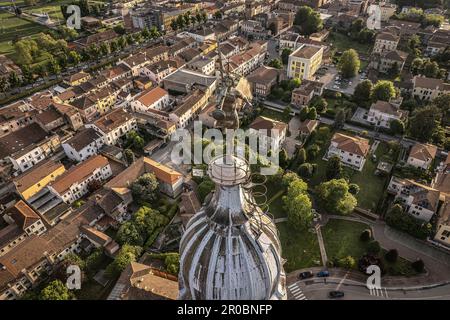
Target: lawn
{"points": [[342, 43], [273, 199], [12, 26], [341, 239], [371, 186], [52, 9], [275, 115], [300, 248]]}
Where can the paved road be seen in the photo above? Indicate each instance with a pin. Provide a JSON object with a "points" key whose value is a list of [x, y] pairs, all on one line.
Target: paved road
{"points": [[317, 289]]}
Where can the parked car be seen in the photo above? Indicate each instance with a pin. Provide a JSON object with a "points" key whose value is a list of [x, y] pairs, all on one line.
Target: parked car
{"points": [[323, 274], [305, 275], [335, 294]]}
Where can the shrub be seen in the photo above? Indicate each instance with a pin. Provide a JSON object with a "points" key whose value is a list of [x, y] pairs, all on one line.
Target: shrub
{"points": [[353, 188], [347, 262], [418, 265], [391, 255], [366, 235], [373, 247]]}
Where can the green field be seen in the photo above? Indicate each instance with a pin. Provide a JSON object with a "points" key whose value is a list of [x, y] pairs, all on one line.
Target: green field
{"points": [[342, 43], [53, 10], [300, 248], [11, 27]]}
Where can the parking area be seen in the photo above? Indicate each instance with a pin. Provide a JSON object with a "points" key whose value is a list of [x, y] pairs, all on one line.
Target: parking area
{"points": [[329, 75]]}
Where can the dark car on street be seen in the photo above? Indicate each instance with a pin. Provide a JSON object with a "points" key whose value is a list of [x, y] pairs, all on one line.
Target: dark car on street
{"points": [[323, 273], [305, 275], [335, 294]]}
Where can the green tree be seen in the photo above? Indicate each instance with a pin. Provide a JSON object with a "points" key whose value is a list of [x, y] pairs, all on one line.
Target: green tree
{"points": [[55, 290], [363, 92], [306, 170], [172, 262], [285, 55], [349, 63], [373, 247], [304, 112], [298, 205], [205, 188], [383, 90], [334, 168], [353, 188], [312, 113], [424, 122], [93, 261], [396, 126], [283, 158], [347, 262], [276, 63], [430, 69], [418, 265], [308, 20], [366, 235], [129, 234], [339, 118], [144, 188], [134, 140], [129, 156], [443, 103], [126, 255], [335, 197]]}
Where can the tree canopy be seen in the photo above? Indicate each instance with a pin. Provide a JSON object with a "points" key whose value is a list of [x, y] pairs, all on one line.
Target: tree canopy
{"points": [[335, 196]]}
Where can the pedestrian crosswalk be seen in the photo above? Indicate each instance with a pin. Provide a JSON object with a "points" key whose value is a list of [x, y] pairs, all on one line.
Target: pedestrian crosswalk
{"points": [[296, 292]]}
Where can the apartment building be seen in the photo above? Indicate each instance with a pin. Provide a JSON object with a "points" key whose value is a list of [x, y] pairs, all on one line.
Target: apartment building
{"points": [[304, 62], [422, 155], [73, 184], [83, 145], [385, 41], [14, 117], [419, 200], [381, 114], [351, 150], [153, 98], [114, 125], [429, 88], [263, 79], [302, 95]]}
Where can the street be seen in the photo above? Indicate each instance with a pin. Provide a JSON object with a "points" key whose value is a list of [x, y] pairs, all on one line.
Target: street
{"points": [[317, 289]]}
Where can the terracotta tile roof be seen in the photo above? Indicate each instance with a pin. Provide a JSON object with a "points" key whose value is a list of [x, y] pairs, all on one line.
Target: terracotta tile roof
{"points": [[423, 152], [356, 145], [263, 74], [150, 96], [387, 36], [143, 165], [20, 139], [95, 235], [36, 174], [78, 173], [23, 215], [430, 83], [83, 138], [112, 120], [268, 124], [308, 126], [78, 76], [48, 116]]}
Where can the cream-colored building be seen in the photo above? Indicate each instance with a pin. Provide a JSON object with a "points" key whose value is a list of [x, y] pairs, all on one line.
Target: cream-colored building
{"points": [[304, 62], [385, 41]]}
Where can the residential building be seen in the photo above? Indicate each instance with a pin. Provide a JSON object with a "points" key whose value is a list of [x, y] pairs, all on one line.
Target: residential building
{"points": [[74, 183], [77, 78], [23, 267], [161, 69], [263, 79], [387, 11], [438, 42], [422, 155], [419, 200], [114, 125], [202, 34], [8, 67], [34, 180], [142, 282], [254, 29], [28, 146], [185, 81], [170, 181], [26, 219], [15, 116], [304, 62], [245, 62], [385, 41], [389, 61], [154, 98], [381, 114], [83, 144], [443, 225], [307, 127], [189, 108], [271, 133], [203, 65], [302, 95], [351, 150], [97, 38], [429, 88]]}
